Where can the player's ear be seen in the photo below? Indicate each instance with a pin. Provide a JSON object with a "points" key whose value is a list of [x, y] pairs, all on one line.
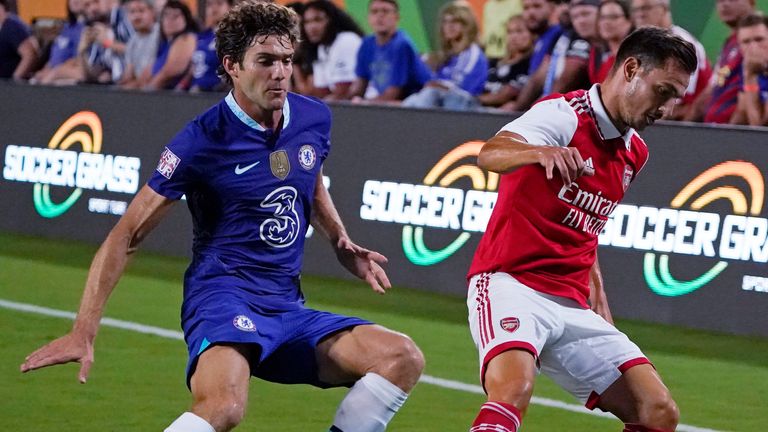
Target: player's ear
{"points": [[231, 66], [630, 68]]}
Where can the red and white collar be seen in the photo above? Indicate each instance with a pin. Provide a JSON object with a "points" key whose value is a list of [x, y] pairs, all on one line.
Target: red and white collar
{"points": [[605, 126]]}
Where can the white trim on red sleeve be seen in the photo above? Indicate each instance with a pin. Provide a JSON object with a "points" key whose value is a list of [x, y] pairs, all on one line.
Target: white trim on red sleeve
{"points": [[552, 122]]}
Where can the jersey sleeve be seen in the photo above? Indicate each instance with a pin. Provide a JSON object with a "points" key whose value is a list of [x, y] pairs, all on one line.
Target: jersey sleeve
{"points": [[364, 55], [405, 63], [578, 49], [473, 70], [17, 33], [174, 172], [551, 122], [343, 58]]}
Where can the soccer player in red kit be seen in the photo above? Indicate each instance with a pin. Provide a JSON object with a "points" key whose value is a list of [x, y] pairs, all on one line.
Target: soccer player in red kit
{"points": [[566, 164]]}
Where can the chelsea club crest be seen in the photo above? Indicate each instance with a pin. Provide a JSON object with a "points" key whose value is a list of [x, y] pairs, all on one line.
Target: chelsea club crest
{"points": [[244, 323], [307, 157]]}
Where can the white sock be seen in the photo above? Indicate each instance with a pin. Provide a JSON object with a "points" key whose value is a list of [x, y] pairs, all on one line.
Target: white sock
{"points": [[189, 422], [369, 406]]}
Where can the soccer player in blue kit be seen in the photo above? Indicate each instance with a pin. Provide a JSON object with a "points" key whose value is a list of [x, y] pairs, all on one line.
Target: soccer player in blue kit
{"points": [[251, 169]]}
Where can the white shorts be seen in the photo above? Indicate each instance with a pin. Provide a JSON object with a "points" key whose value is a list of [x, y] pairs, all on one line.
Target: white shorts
{"points": [[574, 346]]}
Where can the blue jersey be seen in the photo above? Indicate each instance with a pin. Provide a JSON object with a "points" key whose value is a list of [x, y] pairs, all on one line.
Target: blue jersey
{"points": [[394, 64], [468, 70], [64, 47], [205, 62], [762, 81], [544, 46], [250, 192]]}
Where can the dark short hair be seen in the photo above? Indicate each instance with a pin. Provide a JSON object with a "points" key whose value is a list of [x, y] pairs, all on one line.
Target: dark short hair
{"points": [[392, 2], [190, 25], [654, 47], [249, 21], [752, 20], [338, 21], [4, 4]]}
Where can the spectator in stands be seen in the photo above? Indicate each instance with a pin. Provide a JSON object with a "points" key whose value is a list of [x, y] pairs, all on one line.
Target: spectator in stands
{"points": [[614, 24], [204, 73], [543, 19], [718, 102], [18, 48], [178, 39], [506, 76], [63, 65], [333, 39], [460, 67], [658, 13], [568, 64], [302, 68], [102, 42], [496, 15], [752, 34], [388, 65], [141, 49]]}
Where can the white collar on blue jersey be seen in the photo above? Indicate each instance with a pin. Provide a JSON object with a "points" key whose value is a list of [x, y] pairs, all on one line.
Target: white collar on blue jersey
{"points": [[604, 124], [245, 118]]}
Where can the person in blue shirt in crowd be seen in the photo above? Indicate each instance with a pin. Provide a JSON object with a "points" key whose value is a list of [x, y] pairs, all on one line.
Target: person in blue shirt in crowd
{"points": [[388, 66], [203, 75], [178, 39], [543, 19], [18, 48], [103, 42], [62, 63], [251, 170], [460, 65]]}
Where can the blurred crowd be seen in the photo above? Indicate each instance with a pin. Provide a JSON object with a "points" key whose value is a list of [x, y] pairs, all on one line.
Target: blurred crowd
{"points": [[528, 49]]}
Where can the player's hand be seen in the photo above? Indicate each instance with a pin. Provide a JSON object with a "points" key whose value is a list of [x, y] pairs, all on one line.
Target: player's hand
{"points": [[566, 160], [364, 264], [71, 347]]}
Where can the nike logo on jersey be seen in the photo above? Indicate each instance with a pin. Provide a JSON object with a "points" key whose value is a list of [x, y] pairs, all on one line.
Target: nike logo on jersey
{"points": [[239, 170]]}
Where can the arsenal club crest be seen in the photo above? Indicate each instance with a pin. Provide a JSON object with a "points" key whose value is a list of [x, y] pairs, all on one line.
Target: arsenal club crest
{"points": [[279, 163], [629, 173], [509, 324]]}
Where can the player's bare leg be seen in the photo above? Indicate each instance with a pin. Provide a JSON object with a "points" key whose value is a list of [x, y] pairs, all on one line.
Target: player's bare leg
{"points": [[385, 366], [641, 400], [508, 381], [220, 390]]}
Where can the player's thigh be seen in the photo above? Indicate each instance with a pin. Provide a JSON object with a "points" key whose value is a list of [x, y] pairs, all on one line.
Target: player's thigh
{"points": [[638, 386], [590, 356], [505, 315], [348, 355], [223, 373]]}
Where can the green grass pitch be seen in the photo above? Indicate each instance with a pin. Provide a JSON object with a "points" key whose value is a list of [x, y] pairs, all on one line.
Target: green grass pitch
{"points": [[137, 382]]}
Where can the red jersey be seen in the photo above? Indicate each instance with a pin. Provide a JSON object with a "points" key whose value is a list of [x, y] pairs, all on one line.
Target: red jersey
{"points": [[544, 232], [727, 81]]}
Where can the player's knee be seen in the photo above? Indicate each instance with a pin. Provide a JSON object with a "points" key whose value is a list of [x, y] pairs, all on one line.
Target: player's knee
{"points": [[223, 413], [406, 362], [659, 411]]}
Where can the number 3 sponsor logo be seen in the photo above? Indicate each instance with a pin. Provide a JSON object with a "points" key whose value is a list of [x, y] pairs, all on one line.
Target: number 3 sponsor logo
{"points": [[283, 229]]}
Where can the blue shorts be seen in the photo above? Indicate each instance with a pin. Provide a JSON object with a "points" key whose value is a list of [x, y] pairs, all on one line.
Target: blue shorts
{"points": [[286, 337]]}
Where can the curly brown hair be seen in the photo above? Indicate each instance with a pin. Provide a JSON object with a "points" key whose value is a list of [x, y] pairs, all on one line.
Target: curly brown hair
{"points": [[249, 22]]}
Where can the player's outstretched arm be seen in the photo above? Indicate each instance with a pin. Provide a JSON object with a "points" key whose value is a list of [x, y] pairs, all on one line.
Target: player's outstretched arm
{"points": [[508, 151], [597, 297], [143, 214], [361, 262]]}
